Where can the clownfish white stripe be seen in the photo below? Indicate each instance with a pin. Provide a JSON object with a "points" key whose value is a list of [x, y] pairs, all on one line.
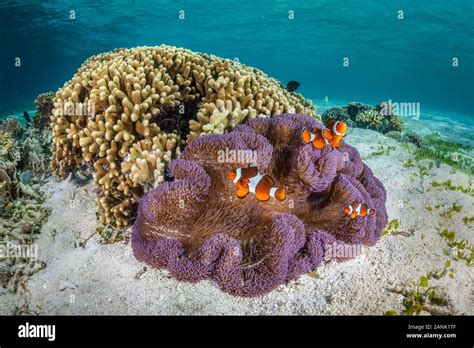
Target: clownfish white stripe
{"points": [[238, 175], [273, 191], [358, 209], [326, 141], [254, 181], [334, 128], [350, 209]]}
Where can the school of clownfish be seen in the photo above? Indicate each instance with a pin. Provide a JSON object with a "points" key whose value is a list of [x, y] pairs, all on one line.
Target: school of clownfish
{"points": [[263, 186]]}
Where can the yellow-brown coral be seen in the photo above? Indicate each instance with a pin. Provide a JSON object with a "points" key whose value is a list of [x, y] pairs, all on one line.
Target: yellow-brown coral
{"points": [[131, 111]]}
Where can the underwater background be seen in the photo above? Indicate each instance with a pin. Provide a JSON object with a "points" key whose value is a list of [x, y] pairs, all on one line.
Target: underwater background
{"points": [[400, 56]]}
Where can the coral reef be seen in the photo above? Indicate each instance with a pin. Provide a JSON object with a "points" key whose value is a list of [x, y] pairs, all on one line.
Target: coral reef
{"points": [[9, 156], [198, 229], [371, 119], [127, 113], [395, 123], [355, 108], [365, 116], [44, 108], [24, 157], [339, 114], [12, 126]]}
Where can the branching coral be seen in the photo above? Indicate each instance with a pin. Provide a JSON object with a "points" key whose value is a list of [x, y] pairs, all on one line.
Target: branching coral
{"points": [[370, 119], [375, 120], [395, 123], [12, 126], [8, 149], [145, 164], [128, 113], [198, 229]]}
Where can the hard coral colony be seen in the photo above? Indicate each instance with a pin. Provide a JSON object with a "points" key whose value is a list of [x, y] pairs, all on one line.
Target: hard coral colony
{"points": [[198, 229], [126, 114]]}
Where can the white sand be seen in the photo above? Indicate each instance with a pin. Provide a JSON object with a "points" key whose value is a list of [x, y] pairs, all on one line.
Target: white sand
{"points": [[105, 279]]}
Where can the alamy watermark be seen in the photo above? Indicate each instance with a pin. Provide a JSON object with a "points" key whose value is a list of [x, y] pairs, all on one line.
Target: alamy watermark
{"points": [[406, 109], [12, 250], [75, 109], [237, 156], [338, 250]]}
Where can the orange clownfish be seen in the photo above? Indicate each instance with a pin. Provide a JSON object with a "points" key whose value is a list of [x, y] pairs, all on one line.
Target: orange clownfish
{"points": [[358, 209], [318, 137], [331, 134], [263, 186], [337, 131]]}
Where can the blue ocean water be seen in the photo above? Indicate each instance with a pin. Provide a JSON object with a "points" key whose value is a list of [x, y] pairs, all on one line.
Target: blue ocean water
{"points": [[407, 59]]}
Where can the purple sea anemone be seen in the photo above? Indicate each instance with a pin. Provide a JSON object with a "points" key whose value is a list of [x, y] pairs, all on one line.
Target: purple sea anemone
{"points": [[198, 229]]}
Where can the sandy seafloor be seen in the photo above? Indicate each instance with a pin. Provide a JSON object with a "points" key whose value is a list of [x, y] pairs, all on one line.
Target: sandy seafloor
{"points": [[106, 278]]}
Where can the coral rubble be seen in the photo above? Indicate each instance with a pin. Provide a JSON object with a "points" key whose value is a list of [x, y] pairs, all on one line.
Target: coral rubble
{"points": [[127, 113], [198, 229], [9, 156], [23, 162]]}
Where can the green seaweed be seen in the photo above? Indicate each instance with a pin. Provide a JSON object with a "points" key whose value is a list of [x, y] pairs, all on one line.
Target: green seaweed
{"points": [[459, 250], [392, 227], [448, 185], [422, 297], [468, 220], [457, 155], [455, 208], [408, 163], [424, 171], [382, 150], [438, 274]]}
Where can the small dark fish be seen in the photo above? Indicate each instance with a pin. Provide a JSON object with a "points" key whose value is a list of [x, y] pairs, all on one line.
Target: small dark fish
{"points": [[27, 117], [292, 86]]}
